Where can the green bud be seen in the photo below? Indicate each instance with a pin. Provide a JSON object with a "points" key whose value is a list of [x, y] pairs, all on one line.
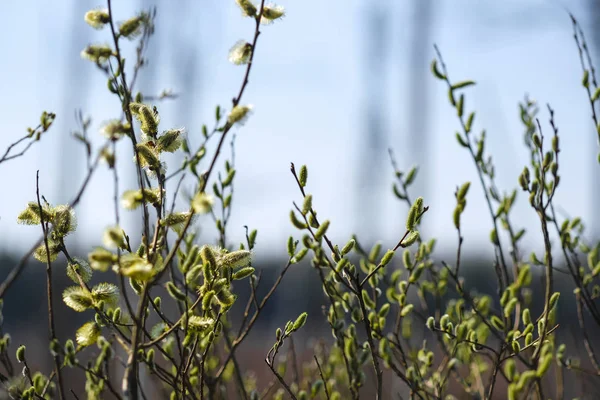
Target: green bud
{"points": [[322, 230], [413, 214], [175, 292], [410, 176], [554, 299], [21, 353], [516, 346], [407, 260], [436, 71], [462, 84], [291, 246], [236, 259], [460, 105], [410, 239], [494, 237], [406, 310], [510, 369], [384, 310], [307, 205], [300, 321], [348, 247], [469, 123], [243, 273], [416, 274], [387, 258], [462, 191], [497, 323], [300, 255], [296, 222], [303, 175], [430, 323]]}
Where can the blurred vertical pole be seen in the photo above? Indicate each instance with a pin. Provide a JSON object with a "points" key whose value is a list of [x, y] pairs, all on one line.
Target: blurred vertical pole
{"points": [[372, 151], [418, 99], [184, 66], [179, 26], [147, 77], [76, 88], [593, 9], [146, 84]]}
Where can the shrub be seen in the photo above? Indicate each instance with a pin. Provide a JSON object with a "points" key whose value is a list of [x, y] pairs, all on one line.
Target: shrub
{"points": [[405, 317]]}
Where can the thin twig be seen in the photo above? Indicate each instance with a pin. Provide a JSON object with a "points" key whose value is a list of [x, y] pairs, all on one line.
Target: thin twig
{"points": [[18, 269], [49, 289], [322, 377], [281, 380]]}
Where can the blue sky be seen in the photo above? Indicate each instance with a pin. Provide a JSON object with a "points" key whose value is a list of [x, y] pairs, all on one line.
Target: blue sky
{"points": [[308, 90]]}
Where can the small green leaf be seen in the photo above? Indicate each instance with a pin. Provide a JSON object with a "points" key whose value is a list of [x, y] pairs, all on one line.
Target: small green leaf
{"points": [[436, 71], [229, 177], [461, 141], [469, 123], [494, 237], [411, 175], [462, 192], [252, 238], [460, 106], [462, 84], [596, 94], [585, 81]]}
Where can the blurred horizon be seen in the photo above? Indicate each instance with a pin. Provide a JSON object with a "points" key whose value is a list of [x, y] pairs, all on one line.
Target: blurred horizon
{"points": [[334, 85]]}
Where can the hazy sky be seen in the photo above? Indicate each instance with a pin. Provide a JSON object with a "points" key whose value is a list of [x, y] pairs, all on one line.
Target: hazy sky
{"points": [[308, 89]]}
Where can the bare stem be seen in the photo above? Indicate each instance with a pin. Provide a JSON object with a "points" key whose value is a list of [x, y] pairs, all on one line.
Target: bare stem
{"points": [[49, 289]]}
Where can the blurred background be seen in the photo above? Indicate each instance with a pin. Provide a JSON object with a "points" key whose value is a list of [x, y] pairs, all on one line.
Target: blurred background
{"points": [[334, 85]]}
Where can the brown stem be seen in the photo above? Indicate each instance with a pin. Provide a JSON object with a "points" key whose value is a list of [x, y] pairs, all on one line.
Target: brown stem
{"points": [[281, 380], [49, 289], [322, 377]]}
